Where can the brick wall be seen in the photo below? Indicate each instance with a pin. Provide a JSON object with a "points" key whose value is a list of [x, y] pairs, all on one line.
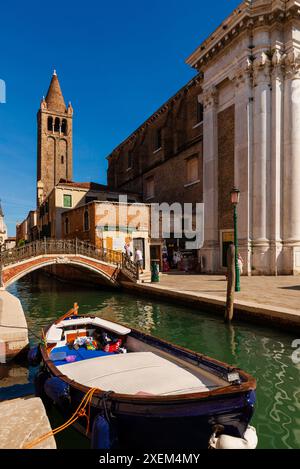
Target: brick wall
{"points": [[76, 224], [181, 138]]}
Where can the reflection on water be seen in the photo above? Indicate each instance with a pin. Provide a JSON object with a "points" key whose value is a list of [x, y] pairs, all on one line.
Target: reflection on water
{"points": [[264, 353]]}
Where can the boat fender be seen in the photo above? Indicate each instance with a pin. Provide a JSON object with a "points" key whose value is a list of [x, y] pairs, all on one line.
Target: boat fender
{"points": [[249, 441], [57, 390], [39, 383], [102, 433], [34, 356]]}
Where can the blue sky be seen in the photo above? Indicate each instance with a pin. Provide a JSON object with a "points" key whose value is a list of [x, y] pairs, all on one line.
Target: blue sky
{"points": [[117, 62]]}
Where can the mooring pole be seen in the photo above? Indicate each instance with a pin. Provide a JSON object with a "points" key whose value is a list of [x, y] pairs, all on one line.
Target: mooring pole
{"points": [[231, 263]]}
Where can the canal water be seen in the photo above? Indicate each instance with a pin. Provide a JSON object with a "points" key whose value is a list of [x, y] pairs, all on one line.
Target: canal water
{"points": [[261, 351]]}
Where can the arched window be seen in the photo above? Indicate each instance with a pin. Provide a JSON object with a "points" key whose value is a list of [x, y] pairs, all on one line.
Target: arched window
{"points": [[67, 226], [56, 125], [86, 221], [50, 124], [62, 159], [64, 126]]}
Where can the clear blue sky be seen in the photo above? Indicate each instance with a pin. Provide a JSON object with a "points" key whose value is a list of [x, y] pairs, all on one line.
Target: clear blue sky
{"points": [[117, 62]]}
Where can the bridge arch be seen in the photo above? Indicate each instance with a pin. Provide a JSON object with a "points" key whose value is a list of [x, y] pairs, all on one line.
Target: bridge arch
{"points": [[105, 264], [13, 273]]}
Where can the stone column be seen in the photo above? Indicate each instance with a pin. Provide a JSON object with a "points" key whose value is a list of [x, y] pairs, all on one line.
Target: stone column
{"points": [[275, 186], [261, 163], [291, 209], [242, 158], [211, 249]]}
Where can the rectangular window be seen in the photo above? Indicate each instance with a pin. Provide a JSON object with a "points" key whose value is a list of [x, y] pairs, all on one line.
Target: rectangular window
{"points": [[157, 143], [67, 201], [199, 112], [192, 170], [150, 188]]}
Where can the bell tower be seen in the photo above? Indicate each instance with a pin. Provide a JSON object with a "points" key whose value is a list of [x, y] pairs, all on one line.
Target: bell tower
{"points": [[54, 147]]}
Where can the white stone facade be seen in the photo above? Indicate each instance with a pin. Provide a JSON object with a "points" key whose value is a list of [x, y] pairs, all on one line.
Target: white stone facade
{"points": [[253, 61]]}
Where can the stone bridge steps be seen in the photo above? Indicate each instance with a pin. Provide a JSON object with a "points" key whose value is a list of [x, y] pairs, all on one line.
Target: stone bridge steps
{"points": [[145, 277]]}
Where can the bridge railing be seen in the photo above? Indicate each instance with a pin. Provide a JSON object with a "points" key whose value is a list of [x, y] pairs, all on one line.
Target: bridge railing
{"points": [[75, 247]]}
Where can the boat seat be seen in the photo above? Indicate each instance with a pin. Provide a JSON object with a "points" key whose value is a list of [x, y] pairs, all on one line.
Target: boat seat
{"points": [[54, 334], [81, 354], [136, 374]]}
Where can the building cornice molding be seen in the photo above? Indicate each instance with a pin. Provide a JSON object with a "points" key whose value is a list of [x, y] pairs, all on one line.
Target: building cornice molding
{"points": [[245, 18]]}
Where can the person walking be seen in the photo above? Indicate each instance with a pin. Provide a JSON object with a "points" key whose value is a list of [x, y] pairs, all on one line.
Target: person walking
{"points": [[127, 250], [139, 260], [240, 264]]}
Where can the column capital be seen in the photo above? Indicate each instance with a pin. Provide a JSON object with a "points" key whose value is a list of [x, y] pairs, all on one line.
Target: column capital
{"points": [[278, 64], [210, 97], [241, 73], [292, 64], [261, 68]]}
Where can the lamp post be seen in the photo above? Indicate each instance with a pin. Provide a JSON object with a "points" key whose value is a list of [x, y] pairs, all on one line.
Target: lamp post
{"points": [[235, 198]]}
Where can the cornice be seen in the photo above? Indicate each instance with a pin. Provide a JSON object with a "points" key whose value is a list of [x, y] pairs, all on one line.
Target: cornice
{"points": [[247, 17]]}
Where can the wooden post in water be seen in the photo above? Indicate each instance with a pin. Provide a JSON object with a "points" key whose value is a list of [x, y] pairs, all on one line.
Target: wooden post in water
{"points": [[230, 283]]}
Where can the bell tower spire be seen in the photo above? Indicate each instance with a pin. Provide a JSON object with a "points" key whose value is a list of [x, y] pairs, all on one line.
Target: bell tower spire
{"points": [[54, 147], [3, 228]]}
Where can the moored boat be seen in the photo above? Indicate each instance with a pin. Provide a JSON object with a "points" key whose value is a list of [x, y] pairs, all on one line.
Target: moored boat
{"points": [[142, 392]]}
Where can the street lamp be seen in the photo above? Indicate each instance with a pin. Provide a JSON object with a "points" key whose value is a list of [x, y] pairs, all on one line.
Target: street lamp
{"points": [[235, 199]]}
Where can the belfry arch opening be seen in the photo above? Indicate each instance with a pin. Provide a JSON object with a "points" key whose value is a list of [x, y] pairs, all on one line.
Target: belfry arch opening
{"points": [[50, 124], [64, 126], [57, 124]]}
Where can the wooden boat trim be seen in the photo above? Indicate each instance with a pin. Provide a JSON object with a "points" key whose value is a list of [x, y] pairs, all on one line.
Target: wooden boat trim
{"points": [[248, 385]]}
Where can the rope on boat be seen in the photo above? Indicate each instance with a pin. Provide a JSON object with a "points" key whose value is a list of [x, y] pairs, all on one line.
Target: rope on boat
{"points": [[79, 412]]}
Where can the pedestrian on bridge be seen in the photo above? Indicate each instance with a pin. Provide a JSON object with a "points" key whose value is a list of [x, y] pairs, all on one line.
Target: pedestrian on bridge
{"points": [[127, 250]]}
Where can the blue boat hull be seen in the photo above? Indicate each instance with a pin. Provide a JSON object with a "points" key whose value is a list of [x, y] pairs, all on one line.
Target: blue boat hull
{"points": [[174, 426]]}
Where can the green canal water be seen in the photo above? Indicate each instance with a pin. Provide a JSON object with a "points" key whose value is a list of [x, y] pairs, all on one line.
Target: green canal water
{"points": [[263, 352]]}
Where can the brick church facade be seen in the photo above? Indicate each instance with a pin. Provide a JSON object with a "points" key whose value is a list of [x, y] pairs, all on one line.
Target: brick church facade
{"points": [[236, 123]]}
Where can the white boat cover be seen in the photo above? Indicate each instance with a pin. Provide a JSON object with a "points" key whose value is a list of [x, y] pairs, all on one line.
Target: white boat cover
{"points": [[54, 334], [135, 373], [110, 326]]}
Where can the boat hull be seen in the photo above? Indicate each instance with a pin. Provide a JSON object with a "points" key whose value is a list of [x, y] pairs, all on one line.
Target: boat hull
{"points": [[177, 425], [157, 422]]}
